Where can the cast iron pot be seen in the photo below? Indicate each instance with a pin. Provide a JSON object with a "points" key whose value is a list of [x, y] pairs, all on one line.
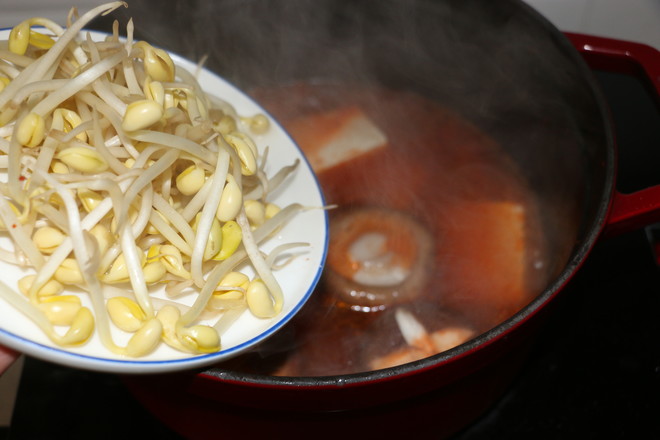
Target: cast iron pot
{"points": [[502, 67]]}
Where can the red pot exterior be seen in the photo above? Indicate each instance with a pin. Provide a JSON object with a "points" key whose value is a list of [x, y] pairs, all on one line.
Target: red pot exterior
{"points": [[437, 412], [439, 400]]}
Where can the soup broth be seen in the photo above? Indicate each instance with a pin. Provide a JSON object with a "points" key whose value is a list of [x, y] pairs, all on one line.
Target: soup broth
{"points": [[436, 238]]}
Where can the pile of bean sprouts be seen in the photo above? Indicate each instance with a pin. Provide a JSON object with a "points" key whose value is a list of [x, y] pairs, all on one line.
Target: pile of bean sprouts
{"points": [[123, 175]]}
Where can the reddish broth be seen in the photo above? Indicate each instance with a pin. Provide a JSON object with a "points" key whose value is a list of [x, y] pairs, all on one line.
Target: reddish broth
{"points": [[447, 175]]}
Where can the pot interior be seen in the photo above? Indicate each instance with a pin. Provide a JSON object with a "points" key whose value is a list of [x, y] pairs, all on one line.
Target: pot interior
{"points": [[488, 148]]}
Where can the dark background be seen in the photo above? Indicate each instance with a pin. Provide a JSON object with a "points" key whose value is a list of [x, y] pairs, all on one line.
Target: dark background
{"points": [[594, 371]]}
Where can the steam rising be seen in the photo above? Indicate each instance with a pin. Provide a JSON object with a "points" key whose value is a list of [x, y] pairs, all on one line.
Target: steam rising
{"points": [[491, 61], [494, 62]]}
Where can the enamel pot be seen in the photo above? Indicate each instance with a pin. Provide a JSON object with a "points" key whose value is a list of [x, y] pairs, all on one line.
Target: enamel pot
{"points": [[498, 64]]}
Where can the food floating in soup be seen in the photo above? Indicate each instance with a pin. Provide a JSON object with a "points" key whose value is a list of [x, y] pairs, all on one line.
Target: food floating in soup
{"points": [[435, 240], [377, 258], [123, 176], [416, 342], [334, 137]]}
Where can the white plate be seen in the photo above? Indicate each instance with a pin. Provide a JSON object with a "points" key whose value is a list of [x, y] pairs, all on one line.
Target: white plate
{"points": [[298, 279]]}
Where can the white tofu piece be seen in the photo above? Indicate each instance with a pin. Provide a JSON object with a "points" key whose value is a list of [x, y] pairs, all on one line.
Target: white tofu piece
{"points": [[331, 138]]}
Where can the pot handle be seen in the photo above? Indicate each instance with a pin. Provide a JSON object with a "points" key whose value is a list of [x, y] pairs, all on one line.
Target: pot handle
{"points": [[641, 208]]}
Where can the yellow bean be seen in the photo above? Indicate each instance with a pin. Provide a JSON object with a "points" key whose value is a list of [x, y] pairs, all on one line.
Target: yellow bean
{"points": [[231, 299], [271, 210], [214, 242], [68, 273], [7, 114], [118, 271], [50, 288], [153, 253], [234, 279], [128, 163], [19, 38], [157, 63], [247, 140], [83, 159], [190, 180], [89, 199], [255, 212], [146, 339], [258, 124], [81, 328], [225, 125], [224, 299], [183, 129], [259, 300], [60, 309], [200, 339], [245, 153], [125, 313], [169, 316], [141, 114], [231, 239], [41, 41], [58, 167], [47, 239], [31, 130], [229, 295], [103, 237], [68, 120], [230, 201], [171, 257], [4, 81], [154, 272], [154, 91]]}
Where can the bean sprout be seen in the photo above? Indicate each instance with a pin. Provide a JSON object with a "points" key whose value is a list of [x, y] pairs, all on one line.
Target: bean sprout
{"points": [[122, 172]]}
